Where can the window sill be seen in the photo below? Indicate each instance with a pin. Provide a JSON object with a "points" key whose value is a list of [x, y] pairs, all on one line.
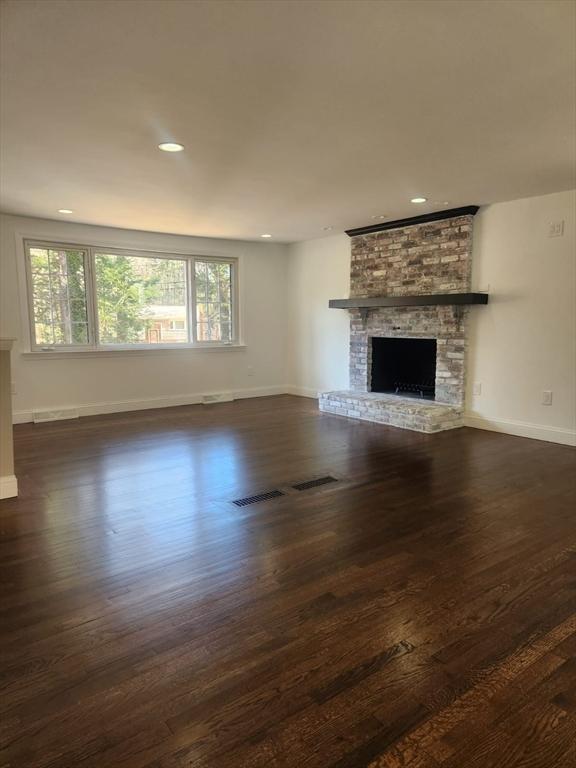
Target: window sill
{"points": [[135, 352]]}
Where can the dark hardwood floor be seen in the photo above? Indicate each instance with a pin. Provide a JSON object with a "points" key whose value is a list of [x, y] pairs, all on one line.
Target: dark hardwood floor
{"points": [[419, 612]]}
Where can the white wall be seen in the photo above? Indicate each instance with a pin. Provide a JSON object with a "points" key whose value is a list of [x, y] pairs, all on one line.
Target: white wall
{"points": [[318, 337], [96, 384], [522, 343]]}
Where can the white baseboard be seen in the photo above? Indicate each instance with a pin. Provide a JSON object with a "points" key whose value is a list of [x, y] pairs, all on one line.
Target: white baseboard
{"points": [[522, 429], [509, 427], [243, 394], [22, 417], [8, 487], [121, 406], [52, 415], [302, 392]]}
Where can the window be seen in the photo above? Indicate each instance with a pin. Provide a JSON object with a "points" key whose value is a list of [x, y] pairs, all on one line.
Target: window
{"points": [[58, 278], [213, 282], [89, 298], [137, 297]]}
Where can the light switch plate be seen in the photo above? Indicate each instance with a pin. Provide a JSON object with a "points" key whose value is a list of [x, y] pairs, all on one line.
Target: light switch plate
{"points": [[547, 397], [556, 229]]}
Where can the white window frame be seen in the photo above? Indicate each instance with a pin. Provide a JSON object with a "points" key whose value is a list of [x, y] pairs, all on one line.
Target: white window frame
{"points": [[94, 344]]}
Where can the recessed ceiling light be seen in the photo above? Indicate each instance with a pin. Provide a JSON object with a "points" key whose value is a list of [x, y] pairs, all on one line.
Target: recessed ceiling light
{"points": [[170, 146], [266, 235], [419, 200], [326, 229], [65, 210], [378, 216]]}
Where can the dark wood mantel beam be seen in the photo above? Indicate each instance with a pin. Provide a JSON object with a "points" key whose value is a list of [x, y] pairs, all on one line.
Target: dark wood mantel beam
{"points": [[449, 213], [430, 300]]}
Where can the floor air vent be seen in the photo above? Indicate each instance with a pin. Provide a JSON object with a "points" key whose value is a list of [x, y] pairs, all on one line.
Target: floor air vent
{"points": [[315, 483], [257, 498]]}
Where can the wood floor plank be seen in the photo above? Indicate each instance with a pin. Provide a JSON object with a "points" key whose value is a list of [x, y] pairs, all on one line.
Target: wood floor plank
{"points": [[419, 612]]}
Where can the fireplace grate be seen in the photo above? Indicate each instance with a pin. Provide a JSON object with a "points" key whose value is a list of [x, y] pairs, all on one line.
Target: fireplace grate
{"points": [[423, 389], [258, 497], [315, 483]]}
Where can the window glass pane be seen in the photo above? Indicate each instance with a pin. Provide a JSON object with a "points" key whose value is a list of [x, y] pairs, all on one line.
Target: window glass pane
{"points": [[225, 331], [141, 300], [58, 295], [213, 300]]}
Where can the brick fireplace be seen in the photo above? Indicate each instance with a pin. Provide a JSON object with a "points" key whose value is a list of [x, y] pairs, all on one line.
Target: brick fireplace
{"points": [[416, 258]]}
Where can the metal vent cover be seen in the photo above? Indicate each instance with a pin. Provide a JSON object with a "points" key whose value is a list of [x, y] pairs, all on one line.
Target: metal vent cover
{"points": [[315, 483], [258, 497]]}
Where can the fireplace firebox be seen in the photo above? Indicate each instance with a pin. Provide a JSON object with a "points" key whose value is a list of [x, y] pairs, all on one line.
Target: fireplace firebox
{"points": [[404, 367]]}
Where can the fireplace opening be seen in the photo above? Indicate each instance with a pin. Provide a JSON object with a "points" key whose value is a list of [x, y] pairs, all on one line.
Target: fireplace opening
{"points": [[404, 367]]}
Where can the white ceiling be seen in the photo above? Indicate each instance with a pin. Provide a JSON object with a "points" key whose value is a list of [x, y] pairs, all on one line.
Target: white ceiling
{"points": [[295, 115]]}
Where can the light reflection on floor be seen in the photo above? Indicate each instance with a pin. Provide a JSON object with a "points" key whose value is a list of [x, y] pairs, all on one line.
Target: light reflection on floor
{"points": [[149, 497]]}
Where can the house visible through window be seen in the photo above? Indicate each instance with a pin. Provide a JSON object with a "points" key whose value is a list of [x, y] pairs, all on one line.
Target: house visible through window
{"points": [[137, 297], [85, 297]]}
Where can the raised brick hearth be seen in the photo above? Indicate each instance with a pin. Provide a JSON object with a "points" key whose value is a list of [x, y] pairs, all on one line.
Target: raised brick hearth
{"points": [[425, 258], [397, 411]]}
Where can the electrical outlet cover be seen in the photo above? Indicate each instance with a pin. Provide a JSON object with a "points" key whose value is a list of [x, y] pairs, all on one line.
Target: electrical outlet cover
{"points": [[556, 229]]}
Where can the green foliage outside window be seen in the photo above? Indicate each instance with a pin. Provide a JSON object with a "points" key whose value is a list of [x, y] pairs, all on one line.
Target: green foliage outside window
{"points": [[58, 279], [128, 288], [139, 299]]}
